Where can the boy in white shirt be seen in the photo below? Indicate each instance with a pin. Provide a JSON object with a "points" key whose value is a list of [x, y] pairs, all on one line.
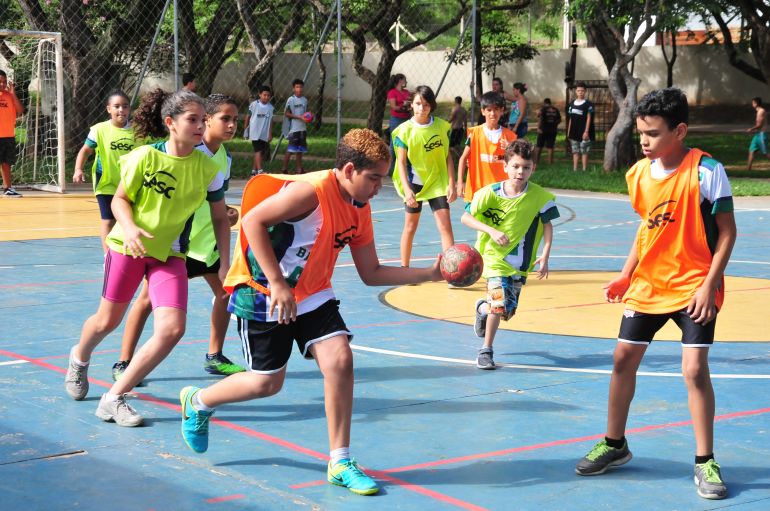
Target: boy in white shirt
{"points": [[258, 128]]}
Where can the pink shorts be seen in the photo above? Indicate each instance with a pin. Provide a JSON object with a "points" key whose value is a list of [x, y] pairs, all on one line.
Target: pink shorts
{"points": [[167, 282]]}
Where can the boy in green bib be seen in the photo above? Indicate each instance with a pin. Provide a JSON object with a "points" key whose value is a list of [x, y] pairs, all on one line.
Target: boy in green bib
{"points": [[511, 218]]}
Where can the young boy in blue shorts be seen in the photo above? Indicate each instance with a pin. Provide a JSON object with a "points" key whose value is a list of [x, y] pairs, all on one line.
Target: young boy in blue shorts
{"points": [[295, 126], [512, 217], [674, 271]]}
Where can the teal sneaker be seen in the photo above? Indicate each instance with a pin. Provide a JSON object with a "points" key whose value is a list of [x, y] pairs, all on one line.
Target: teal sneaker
{"points": [[603, 457], [708, 478], [221, 365], [195, 424], [347, 473]]}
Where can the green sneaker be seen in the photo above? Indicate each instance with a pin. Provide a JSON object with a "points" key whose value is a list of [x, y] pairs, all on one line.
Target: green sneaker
{"points": [[708, 479], [221, 365], [602, 457], [118, 368], [347, 473], [195, 424]]}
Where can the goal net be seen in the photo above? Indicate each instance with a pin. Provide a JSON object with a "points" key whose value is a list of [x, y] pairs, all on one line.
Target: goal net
{"points": [[33, 63]]}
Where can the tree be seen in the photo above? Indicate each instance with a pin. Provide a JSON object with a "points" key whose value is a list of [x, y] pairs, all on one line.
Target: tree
{"points": [[366, 21], [619, 28], [101, 47], [206, 30], [669, 34], [756, 37], [270, 26]]}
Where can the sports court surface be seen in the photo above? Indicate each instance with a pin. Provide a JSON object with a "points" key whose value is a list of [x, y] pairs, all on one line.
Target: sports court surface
{"points": [[436, 432]]}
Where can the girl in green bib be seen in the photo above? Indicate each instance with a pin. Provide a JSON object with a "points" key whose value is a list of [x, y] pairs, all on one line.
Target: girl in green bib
{"points": [[161, 186], [425, 170], [109, 140]]}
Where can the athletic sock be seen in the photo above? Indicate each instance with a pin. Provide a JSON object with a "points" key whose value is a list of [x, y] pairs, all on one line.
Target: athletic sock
{"points": [[483, 309], [110, 397], [199, 405], [703, 459], [343, 453], [616, 444], [76, 361]]}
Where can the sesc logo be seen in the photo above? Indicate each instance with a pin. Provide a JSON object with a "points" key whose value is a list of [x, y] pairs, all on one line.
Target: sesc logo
{"points": [[158, 182], [433, 142], [122, 144], [660, 219], [343, 238], [493, 215]]}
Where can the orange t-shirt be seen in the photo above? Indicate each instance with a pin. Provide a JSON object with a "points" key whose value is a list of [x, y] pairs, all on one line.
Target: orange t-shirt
{"points": [[674, 256], [7, 115], [343, 224], [485, 162]]}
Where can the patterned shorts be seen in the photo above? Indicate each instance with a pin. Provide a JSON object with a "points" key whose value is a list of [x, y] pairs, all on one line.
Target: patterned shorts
{"points": [[503, 295]]}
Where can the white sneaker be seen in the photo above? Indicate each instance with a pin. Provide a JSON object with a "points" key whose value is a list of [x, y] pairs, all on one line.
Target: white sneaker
{"points": [[118, 411]]}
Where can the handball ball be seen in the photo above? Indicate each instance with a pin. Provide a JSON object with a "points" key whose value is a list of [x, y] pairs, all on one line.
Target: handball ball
{"points": [[461, 265], [307, 116]]}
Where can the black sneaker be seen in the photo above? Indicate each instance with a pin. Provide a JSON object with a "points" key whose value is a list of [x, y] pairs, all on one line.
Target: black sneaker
{"points": [[221, 365], [118, 368], [603, 457], [10, 192], [480, 326], [484, 360]]}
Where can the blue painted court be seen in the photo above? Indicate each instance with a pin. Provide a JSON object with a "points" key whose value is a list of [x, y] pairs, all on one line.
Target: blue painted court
{"points": [[436, 432]]}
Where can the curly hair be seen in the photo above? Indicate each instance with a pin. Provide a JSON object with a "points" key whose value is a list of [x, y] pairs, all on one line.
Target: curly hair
{"points": [[214, 102], [158, 104], [670, 103], [363, 148], [521, 146]]}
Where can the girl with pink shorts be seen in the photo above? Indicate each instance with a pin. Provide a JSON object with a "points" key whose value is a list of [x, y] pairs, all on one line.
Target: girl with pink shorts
{"points": [[161, 186]]}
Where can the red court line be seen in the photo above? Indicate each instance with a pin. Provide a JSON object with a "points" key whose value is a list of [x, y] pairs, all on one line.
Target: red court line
{"points": [[216, 500], [262, 436], [545, 445]]}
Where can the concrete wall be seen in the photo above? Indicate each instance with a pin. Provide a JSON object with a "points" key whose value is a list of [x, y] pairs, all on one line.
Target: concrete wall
{"points": [[703, 72]]}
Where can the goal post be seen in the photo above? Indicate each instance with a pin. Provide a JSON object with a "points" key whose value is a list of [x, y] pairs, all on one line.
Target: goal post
{"points": [[33, 61]]}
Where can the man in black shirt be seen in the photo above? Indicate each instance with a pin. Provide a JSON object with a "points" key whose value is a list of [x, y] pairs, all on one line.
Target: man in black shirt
{"points": [[548, 119]]}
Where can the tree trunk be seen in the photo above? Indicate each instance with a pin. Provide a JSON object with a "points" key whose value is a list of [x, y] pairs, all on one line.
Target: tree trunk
{"points": [[380, 90], [319, 100], [619, 150], [669, 62]]}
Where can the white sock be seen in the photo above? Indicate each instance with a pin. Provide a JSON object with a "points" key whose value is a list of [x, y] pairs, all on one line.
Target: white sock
{"points": [[484, 308], [343, 453], [110, 397], [77, 362], [198, 404]]}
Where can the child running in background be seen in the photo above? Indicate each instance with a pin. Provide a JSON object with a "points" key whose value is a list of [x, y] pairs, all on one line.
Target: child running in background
{"points": [[511, 218], [292, 231], [161, 186], [203, 258], [295, 127], [109, 140], [258, 127], [484, 149], [425, 170], [674, 271]]}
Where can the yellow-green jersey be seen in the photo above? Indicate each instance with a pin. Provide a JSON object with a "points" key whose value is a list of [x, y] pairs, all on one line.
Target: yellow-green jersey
{"points": [[203, 240], [165, 191], [109, 143], [521, 218], [427, 148]]}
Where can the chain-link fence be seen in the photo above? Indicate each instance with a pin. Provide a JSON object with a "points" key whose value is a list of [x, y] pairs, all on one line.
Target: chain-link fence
{"points": [[347, 52]]}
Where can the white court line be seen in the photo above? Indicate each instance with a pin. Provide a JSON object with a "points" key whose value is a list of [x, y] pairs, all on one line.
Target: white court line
{"points": [[13, 362], [387, 210], [548, 368]]}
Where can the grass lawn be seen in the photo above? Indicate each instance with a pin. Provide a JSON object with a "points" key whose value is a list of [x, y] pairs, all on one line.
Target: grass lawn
{"points": [[729, 148]]}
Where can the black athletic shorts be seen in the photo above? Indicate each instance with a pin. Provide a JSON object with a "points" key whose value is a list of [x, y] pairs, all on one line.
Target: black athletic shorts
{"points": [[640, 328], [457, 137], [8, 150], [546, 139], [105, 205], [267, 344], [435, 203], [260, 146], [197, 268]]}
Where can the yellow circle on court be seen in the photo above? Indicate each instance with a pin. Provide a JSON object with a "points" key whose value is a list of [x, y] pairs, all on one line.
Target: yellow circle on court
{"points": [[572, 303]]}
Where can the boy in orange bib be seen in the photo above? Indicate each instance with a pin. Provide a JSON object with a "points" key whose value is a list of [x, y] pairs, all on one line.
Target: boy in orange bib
{"points": [[674, 271]]}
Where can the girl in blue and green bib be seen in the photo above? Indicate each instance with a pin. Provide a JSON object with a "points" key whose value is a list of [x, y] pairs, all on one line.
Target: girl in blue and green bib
{"points": [[425, 169], [109, 140], [161, 186]]}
